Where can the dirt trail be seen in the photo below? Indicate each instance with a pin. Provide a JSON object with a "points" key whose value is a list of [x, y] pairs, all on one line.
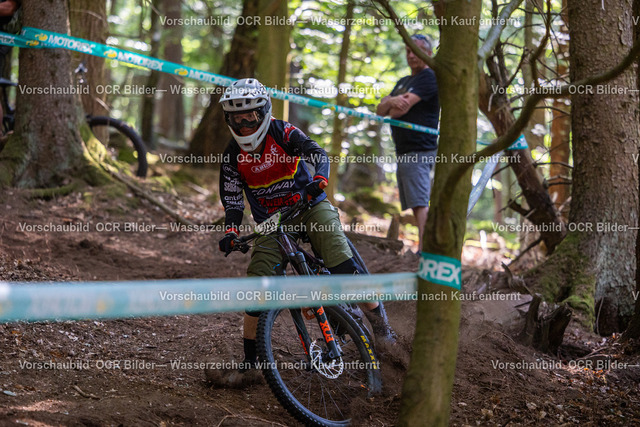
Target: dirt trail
{"points": [[84, 387]]}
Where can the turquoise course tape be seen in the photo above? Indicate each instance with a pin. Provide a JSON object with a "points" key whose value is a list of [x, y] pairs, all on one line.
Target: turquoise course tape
{"points": [[18, 41], [487, 172], [519, 144], [440, 270], [95, 300], [34, 37], [42, 38]]}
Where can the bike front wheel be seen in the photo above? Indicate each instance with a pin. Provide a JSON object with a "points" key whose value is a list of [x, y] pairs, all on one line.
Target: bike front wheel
{"points": [[124, 140], [315, 390]]}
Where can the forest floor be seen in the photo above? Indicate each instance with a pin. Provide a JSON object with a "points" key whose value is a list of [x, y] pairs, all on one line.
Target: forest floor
{"points": [[498, 381]]}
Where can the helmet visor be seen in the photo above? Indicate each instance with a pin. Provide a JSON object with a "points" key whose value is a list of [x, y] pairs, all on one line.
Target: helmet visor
{"points": [[244, 119]]}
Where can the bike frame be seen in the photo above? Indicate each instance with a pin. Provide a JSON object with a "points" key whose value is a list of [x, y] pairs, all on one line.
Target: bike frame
{"points": [[292, 253]]}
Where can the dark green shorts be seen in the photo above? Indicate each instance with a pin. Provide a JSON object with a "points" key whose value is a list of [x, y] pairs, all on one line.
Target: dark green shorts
{"points": [[322, 224]]}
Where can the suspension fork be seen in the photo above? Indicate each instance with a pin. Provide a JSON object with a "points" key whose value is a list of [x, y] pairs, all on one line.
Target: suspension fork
{"points": [[292, 253], [334, 349], [327, 334], [303, 334]]}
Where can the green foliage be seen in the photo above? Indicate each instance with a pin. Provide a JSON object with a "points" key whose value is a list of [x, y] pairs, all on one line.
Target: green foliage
{"points": [[376, 62], [205, 38]]}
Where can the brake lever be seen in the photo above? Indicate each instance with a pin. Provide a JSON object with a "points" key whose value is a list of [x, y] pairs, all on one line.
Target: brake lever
{"points": [[237, 245]]}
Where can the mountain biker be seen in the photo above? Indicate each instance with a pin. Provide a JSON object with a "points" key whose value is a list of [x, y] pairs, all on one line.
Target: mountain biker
{"points": [[272, 161]]}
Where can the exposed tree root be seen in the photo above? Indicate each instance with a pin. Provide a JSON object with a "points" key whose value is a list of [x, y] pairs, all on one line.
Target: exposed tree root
{"points": [[50, 193], [143, 194], [565, 277]]}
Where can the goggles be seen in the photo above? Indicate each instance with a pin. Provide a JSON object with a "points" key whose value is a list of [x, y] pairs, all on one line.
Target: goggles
{"points": [[244, 119]]}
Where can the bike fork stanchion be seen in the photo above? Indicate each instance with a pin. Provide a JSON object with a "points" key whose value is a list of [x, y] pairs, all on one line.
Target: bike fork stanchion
{"points": [[303, 334], [301, 266], [334, 349]]}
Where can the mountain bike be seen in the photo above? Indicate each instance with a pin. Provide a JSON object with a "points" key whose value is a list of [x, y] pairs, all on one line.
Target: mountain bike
{"points": [[316, 360], [119, 138]]}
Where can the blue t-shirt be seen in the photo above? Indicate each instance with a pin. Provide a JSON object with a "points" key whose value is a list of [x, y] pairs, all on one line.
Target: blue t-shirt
{"points": [[425, 112]]}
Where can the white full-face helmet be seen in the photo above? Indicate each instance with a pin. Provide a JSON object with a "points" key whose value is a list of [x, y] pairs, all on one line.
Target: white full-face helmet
{"points": [[246, 104]]}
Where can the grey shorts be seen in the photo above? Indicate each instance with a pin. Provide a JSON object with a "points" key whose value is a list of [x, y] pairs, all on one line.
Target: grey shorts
{"points": [[414, 178]]}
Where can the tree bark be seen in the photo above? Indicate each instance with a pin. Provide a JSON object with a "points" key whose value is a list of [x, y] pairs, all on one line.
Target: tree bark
{"points": [[47, 149], [605, 140], [148, 111], [427, 388], [273, 48], [341, 99], [539, 116], [594, 267], [496, 106], [633, 330], [89, 21], [171, 105], [560, 132], [212, 135]]}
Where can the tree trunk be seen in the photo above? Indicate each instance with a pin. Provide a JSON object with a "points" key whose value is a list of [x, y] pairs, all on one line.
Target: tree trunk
{"points": [[171, 104], [499, 113], [113, 8], [594, 267], [148, 111], [297, 112], [539, 116], [273, 48], [341, 99], [427, 388], [633, 330], [496, 106], [89, 21], [605, 179], [497, 196], [560, 132], [212, 135], [47, 149]]}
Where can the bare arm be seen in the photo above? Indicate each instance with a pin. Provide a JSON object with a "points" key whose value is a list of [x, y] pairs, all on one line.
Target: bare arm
{"points": [[8, 8], [408, 100], [384, 106], [392, 103]]}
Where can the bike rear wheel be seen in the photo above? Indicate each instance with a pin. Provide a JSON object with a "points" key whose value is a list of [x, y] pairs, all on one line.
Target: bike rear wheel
{"points": [[131, 141], [320, 393]]}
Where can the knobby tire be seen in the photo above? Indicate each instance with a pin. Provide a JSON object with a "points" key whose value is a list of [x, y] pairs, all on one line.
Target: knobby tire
{"points": [[130, 133]]}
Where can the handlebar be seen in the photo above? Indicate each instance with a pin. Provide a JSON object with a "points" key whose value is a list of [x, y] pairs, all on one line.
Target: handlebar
{"points": [[241, 243]]}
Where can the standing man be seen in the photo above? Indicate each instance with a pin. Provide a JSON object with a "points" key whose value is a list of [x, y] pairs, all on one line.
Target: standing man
{"points": [[414, 99]]}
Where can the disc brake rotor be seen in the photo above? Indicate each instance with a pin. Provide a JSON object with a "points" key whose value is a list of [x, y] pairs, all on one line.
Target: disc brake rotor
{"points": [[331, 369]]}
